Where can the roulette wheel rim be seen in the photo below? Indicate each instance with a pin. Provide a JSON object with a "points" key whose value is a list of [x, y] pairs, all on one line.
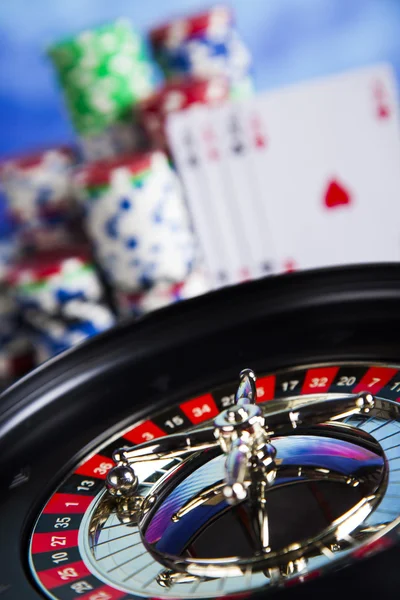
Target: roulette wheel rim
{"points": [[319, 317]]}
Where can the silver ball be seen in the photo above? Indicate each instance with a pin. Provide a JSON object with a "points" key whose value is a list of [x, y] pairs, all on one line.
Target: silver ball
{"points": [[122, 481]]}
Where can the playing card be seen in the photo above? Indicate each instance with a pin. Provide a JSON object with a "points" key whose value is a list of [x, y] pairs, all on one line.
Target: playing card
{"points": [[330, 172], [222, 194], [244, 191], [300, 177], [188, 163], [223, 220]]}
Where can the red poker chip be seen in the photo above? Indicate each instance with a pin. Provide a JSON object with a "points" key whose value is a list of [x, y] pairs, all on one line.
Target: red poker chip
{"points": [[99, 172], [175, 96], [179, 94], [44, 264], [28, 161], [192, 25]]}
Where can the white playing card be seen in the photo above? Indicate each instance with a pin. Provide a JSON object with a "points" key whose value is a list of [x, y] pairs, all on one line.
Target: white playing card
{"points": [[243, 191], [188, 164], [317, 181], [331, 171], [237, 248], [223, 221]]}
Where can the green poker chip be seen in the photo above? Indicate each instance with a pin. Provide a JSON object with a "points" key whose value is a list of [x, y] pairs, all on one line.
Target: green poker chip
{"points": [[103, 72]]}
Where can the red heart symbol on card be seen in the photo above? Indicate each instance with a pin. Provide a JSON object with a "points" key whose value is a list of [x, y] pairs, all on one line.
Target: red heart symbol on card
{"points": [[260, 141], [336, 195], [289, 265], [383, 111]]}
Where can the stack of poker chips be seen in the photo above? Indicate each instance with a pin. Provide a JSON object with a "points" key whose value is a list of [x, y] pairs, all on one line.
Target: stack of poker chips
{"points": [[134, 212], [176, 96], [60, 298], [103, 72], [202, 46], [137, 221], [39, 192]]}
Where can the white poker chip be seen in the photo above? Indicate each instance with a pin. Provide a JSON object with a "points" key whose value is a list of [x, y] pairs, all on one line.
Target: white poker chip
{"points": [[40, 196], [139, 225], [99, 315]]}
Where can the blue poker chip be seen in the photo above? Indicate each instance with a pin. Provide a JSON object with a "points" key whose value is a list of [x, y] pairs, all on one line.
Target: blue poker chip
{"points": [[52, 335], [65, 295], [207, 55], [47, 347]]}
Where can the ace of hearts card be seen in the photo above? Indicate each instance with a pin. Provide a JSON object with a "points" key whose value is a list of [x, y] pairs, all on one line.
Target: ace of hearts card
{"points": [[330, 175], [314, 169]]}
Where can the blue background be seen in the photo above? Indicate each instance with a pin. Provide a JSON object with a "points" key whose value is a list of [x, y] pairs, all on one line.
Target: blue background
{"points": [[290, 40]]}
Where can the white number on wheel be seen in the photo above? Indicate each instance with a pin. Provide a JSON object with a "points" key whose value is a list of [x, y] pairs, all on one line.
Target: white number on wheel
{"points": [[346, 380], [62, 522], [174, 422], [317, 382], [58, 557], [57, 541], [289, 385], [228, 400], [199, 411], [100, 596], [81, 586], [85, 485], [67, 573], [103, 468]]}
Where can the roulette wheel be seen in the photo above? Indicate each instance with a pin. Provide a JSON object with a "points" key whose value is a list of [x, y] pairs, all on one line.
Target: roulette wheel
{"points": [[241, 444]]}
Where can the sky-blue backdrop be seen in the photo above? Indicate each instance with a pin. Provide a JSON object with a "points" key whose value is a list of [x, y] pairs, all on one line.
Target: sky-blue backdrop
{"points": [[290, 40]]}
